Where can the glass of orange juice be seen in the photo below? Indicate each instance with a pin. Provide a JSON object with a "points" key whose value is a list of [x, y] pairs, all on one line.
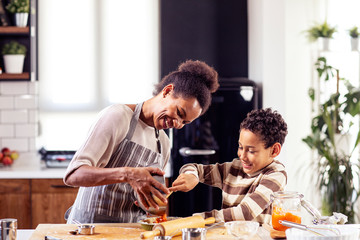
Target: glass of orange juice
{"points": [[286, 205]]}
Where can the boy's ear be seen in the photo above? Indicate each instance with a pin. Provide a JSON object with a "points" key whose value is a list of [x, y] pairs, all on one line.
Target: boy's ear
{"points": [[276, 148]]}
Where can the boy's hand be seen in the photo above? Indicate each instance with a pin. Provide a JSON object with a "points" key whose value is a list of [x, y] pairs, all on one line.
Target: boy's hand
{"points": [[184, 183]]}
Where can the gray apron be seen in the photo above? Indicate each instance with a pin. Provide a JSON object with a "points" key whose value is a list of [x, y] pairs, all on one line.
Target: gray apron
{"points": [[114, 203]]}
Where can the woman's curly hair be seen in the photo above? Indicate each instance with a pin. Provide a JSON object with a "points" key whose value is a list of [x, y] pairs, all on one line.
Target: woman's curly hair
{"points": [[267, 124], [192, 79]]}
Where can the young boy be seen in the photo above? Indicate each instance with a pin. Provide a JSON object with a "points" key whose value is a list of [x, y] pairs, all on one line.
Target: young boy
{"points": [[248, 181]]}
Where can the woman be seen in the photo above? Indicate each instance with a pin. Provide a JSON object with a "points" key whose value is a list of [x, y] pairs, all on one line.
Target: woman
{"points": [[127, 145]]}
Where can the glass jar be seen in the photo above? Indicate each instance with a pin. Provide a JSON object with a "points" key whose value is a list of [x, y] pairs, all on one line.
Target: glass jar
{"points": [[8, 228], [286, 205]]}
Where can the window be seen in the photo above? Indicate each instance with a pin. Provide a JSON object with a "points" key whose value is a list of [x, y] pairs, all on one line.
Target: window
{"points": [[92, 54]]}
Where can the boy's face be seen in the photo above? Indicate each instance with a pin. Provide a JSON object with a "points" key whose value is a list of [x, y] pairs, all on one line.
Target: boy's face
{"points": [[252, 152]]}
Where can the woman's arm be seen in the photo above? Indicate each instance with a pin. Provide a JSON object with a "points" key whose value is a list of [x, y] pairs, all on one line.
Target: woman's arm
{"points": [[140, 179]]}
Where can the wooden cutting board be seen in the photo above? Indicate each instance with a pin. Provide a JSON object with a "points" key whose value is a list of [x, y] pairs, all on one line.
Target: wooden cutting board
{"points": [[110, 231], [274, 233]]}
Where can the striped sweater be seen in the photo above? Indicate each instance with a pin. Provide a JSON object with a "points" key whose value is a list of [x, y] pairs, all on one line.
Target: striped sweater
{"points": [[244, 197]]}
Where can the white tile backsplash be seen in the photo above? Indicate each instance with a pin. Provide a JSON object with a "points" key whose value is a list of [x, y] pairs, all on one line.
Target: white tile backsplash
{"points": [[34, 116], [19, 118], [33, 88], [32, 145], [18, 144], [14, 88], [7, 130], [14, 116], [25, 130], [26, 102], [7, 102]]}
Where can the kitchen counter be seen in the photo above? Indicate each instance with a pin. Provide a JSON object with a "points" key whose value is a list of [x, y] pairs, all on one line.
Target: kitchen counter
{"points": [[124, 231], [30, 166], [24, 234]]}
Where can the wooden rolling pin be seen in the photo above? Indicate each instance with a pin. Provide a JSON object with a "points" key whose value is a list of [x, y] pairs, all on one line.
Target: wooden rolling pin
{"points": [[174, 227]]}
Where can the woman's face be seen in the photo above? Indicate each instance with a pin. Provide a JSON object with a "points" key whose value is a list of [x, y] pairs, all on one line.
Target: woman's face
{"points": [[175, 112]]}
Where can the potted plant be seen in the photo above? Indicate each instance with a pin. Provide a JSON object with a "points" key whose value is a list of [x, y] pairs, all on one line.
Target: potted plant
{"points": [[354, 37], [322, 31], [14, 56], [334, 164], [20, 9]]}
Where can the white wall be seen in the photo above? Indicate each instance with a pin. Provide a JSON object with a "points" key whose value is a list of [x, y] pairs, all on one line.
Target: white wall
{"points": [[279, 58], [282, 60]]}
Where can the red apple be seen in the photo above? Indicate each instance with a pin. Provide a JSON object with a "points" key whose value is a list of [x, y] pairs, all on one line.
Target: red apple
{"points": [[7, 161], [14, 155], [6, 151], [1, 156]]}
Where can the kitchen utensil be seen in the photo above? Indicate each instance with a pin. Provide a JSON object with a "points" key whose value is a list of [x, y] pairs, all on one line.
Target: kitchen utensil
{"points": [[311, 209], [242, 229], [52, 238], [109, 231], [85, 229], [286, 205], [317, 230], [149, 223], [346, 232], [8, 229], [174, 227], [193, 233], [214, 225], [162, 238]]}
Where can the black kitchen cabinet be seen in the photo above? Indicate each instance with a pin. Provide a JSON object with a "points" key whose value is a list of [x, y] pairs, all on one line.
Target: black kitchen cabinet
{"points": [[214, 31], [26, 36]]}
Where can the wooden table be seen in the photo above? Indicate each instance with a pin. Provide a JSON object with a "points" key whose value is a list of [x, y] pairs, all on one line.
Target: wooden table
{"points": [[127, 231]]}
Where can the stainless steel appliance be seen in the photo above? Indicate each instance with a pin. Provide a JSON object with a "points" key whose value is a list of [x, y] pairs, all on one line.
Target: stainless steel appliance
{"points": [[56, 158], [210, 139]]}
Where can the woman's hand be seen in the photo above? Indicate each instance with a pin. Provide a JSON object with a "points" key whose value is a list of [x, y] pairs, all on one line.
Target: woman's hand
{"points": [[145, 185], [184, 183]]}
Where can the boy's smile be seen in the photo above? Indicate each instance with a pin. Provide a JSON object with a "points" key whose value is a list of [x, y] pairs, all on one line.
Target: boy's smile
{"points": [[252, 152]]}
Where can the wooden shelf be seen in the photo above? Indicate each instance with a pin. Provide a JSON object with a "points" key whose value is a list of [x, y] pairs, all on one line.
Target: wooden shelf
{"points": [[14, 30], [15, 76]]}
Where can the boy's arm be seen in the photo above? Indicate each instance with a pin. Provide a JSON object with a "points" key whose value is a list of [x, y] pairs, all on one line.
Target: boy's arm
{"points": [[212, 174], [253, 204], [184, 183], [191, 174]]}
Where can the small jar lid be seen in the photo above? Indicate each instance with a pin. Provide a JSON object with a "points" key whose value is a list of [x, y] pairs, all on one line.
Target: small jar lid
{"points": [[287, 194], [6, 223]]}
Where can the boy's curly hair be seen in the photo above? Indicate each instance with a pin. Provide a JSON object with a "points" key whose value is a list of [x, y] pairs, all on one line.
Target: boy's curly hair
{"points": [[267, 124]]}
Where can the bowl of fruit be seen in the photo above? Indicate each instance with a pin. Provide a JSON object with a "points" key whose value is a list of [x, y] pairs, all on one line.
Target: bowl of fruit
{"points": [[7, 157], [148, 223]]}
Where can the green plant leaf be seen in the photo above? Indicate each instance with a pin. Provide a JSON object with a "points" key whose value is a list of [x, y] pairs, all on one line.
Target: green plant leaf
{"points": [[18, 6], [354, 32], [14, 47], [320, 30], [311, 93]]}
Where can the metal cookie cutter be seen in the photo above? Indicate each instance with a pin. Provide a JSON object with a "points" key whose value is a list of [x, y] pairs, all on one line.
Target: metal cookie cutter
{"points": [[84, 229]]}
